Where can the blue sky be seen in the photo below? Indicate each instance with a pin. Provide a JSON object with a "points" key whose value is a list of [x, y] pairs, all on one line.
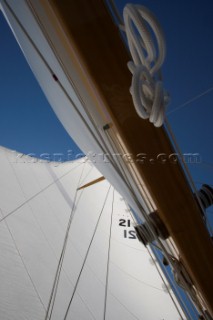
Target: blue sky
{"points": [[28, 124]]}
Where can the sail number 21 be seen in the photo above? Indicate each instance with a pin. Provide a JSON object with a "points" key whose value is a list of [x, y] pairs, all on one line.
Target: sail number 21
{"points": [[130, 234]]}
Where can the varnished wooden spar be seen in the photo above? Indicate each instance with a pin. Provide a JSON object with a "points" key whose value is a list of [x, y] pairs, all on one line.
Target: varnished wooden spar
{"points": [[100, 51]]}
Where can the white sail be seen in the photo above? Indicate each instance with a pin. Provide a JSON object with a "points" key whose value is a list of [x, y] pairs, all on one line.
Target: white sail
{"points": [[116, 273]]}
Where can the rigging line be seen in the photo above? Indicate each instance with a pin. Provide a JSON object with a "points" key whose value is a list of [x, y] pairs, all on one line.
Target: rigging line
{"points": [[176, 290], [115, 297], [119, 301], [111, 293], [164, 281], [87, 175], [87, 253], [108, 260], [115, 11], [121, 243], [122, 270], [38, 193], [68, 275], [58, 272], [60, 263], [156, 266], [24, 264], [190, 101]]}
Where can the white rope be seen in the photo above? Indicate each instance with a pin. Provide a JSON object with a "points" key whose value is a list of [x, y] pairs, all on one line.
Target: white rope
{"points": [[149, 97]]}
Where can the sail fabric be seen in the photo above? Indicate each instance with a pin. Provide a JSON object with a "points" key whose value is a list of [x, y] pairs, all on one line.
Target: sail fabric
{"points": [[36, 200]]}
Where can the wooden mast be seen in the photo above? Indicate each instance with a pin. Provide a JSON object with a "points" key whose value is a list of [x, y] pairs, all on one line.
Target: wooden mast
{"points": [[101, 53]]}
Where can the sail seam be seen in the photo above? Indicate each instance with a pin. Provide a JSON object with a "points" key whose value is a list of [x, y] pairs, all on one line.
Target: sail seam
{"points": [[25, 267], [35, 195]]}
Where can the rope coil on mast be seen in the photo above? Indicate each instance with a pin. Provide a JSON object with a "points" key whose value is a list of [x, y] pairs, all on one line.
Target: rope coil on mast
{"points": [[149, 97]]}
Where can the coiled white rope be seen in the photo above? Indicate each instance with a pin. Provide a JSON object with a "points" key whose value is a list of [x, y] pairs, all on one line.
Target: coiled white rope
{"points": [[149, 97]]}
